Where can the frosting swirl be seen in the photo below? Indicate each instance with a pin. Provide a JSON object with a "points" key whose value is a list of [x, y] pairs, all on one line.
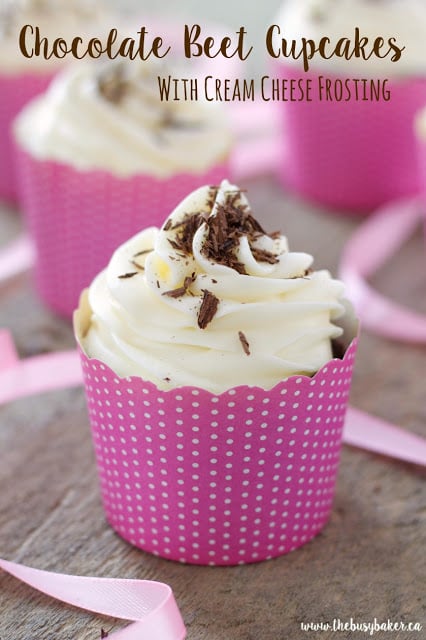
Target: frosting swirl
{"points": [[212, 300], [111, 118], [404, 20]]}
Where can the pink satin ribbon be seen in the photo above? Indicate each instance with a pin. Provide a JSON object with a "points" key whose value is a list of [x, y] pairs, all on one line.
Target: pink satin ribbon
{"points": [[151, 605], [20, 378], [369, 248]]}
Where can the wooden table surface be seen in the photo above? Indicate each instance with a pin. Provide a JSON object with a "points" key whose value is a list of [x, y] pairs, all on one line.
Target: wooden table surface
{"points": [[368, 563]]}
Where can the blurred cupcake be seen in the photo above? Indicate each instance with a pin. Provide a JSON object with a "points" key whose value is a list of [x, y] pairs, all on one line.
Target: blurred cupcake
{"points": [[352, 146], [22, 78], [100, 156], [215, 402], [420, 129]]}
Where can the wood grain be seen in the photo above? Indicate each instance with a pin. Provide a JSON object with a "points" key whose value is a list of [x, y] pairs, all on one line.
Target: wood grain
{"points": [[368, 563]]}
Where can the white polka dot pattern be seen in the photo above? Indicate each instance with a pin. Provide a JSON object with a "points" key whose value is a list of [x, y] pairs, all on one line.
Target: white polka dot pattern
{"points": [[78, 218], [229, 479]]}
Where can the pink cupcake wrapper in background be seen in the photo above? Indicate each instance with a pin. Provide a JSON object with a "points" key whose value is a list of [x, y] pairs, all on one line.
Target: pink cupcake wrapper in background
{"points": [[218, 479], [351, 155], [15, 92], [77, 219]]}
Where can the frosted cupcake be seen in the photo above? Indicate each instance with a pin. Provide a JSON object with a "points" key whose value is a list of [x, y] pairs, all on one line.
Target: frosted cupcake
{"points": [[21, 78], [350, 153], [215, 401], [100, 151]]}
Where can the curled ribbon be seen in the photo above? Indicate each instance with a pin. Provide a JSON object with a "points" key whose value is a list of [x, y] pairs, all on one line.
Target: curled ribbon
{"points": [[368, 249], [150, 605]]}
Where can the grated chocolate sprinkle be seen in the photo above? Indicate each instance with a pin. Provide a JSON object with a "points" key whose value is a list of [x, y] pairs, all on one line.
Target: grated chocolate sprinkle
{"points": [[142, 253], [128, 275], [181, 291], [137, 265], [244, 342], [208, 309], [261, 255], [231, 221], [112, 84]]}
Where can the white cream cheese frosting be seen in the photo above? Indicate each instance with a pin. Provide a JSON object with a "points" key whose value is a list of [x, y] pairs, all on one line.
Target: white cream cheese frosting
{"points": [[110, 117], [212, 300], [55, 18], [404, 20]]}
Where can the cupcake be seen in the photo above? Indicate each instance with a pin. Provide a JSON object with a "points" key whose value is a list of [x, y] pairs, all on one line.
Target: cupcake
{"points": [[22, 78], [352, 146], [99, 156], [217, 367]]}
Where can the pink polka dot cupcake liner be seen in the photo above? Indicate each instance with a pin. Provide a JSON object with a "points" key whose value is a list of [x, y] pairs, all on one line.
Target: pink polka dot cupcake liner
{"points": [[225, 479], [78, 218], [15, 92], [355, 155]]}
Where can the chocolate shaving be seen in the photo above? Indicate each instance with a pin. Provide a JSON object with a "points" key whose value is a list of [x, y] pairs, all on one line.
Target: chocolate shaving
{"points": [[170, 121], [232, 220], [128, 275], [212, 196], [137, 265], [181, 291], [167, 225], [104, 634], [304, 276], [112, 84], [166, 379], [142, 253], [244, 342], [186, 229], [208, 309], [264, 256]]}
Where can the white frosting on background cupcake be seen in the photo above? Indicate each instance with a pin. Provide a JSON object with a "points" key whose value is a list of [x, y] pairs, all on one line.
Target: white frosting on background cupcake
{"points": [[110, 117], [211, 300], [404, 20], [56, 19]]}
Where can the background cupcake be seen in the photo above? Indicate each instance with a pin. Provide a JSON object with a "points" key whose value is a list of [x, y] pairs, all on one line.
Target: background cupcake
{"points": [[22, 78], [215, 402], [355, 154], [100, 156], [420, 129]]}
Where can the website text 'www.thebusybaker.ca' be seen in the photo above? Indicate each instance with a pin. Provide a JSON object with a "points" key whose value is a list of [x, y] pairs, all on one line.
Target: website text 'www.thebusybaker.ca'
{"points": [[355, 626]]}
